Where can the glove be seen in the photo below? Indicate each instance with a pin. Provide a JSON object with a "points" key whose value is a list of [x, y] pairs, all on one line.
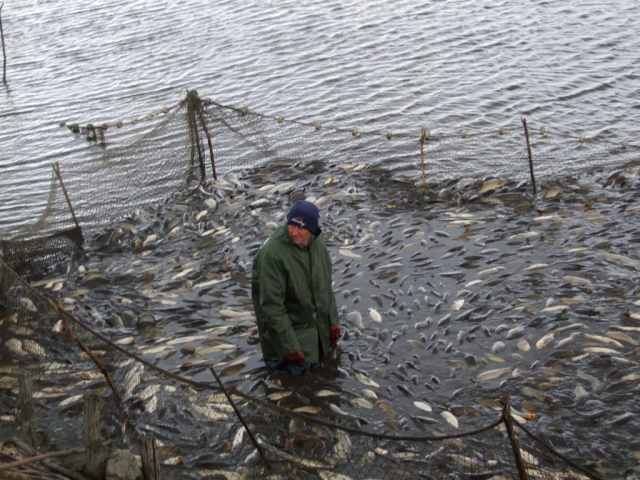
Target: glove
{"points": [[334, 333], [297, 357]]}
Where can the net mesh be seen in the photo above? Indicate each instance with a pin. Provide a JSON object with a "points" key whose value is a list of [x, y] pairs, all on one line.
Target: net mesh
{"points": [[96, 206]]}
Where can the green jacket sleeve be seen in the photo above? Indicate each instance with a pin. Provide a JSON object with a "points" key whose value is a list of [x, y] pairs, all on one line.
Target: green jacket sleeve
{"points": [[273, 287]]}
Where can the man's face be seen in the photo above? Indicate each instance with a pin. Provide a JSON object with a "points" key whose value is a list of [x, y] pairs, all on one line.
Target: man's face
{"points": [[299, 235]]}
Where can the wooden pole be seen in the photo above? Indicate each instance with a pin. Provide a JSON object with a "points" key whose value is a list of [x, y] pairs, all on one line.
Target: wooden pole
{"points": [[60, 311], [95, 454], [526, 134], [422, 139], [150, 458], [56, 168], [31, 452], [206, 131], [506, 418], [193, 103], [39, 458], [26, 408], [4, 53], [244, 423]]}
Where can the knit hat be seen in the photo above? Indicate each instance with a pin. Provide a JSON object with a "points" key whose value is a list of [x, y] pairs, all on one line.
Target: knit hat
{"points": [[304, 214]]}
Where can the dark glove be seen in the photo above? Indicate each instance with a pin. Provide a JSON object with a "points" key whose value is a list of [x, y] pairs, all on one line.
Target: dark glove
{"points": [[297, 357], [334, 333]]}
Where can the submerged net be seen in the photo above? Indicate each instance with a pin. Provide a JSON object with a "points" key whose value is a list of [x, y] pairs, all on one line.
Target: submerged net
{"points": [[166, 177], [198, 432], [189, 140]]}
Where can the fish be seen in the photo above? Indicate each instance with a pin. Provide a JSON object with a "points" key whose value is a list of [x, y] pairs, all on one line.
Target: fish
{"points": [[355, 318], [390, 266], [187, 339], [495, 358], [327, 393], [279, 395], [209, 412], [349, 253], [522, 235], [530, 392], [308, 409], [423, 406], [341, 413], [361, 402], [342, 445], [493, 374], [132, 379], [28, 304], [457, 305], [215, 281], [596, 385], [375, 316], [566, 341], [602, 350], [237, 438], [230, 313], [516, 332], [365, 380], [33, 347], [545, 340], [622, 337], [450, 418], [71, 400], [603, 340], [388, 408], [572, 279], [536, 267], [369, 394], [149, 392], [491, 271]]}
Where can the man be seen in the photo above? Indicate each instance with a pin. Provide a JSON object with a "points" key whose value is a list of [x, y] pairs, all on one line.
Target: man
{"points": [[292, 296]]}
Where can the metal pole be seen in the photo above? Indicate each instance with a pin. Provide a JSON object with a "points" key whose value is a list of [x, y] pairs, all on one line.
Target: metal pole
{"points": [[244, 423], [526, 134]]}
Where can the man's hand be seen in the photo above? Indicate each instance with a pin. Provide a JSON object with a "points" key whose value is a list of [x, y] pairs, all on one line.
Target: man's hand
{"points": [[334, 333], [297, 357]]}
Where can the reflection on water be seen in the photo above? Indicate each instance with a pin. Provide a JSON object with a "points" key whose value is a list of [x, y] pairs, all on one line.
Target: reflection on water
{"points": [[447, 66]]}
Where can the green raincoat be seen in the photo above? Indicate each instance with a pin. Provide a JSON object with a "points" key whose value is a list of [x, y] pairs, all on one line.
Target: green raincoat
{"points": [[293, 297]]}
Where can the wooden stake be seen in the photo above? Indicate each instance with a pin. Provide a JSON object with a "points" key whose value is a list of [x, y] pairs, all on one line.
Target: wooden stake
{"points": [[206, 131], [26, 408], [150, 457], [4, 53], [526, 134], [422, 139], [193, 103], [95, 454], [38, 458], [506, 418], [56, 168]]}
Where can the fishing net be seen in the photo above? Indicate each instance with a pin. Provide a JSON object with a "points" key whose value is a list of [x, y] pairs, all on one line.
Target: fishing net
{"points": [[166, 175], [197, 140], [199, 431]]}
